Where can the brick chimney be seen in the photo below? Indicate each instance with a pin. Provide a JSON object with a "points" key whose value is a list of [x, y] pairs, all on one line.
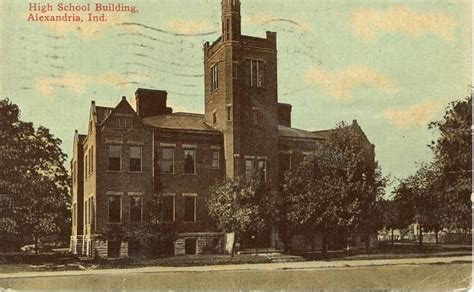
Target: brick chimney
{"points": [[151, 103], [284, 114]]}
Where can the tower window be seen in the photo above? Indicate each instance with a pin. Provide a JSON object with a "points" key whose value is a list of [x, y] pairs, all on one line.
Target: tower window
{"points": [[229, 113], [214, 118], [227, 33], [255, 72], [214, 77], [255, 116]]}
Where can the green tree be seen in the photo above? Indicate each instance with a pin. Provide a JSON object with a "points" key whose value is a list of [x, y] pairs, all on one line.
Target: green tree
{"points": [[420, 200], [33, 175], [453, 157], [390, 211], [239, 206], [336, 188]]}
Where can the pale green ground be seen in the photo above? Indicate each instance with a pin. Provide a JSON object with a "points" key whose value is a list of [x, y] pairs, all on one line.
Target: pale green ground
{"points": [[400, 72]]}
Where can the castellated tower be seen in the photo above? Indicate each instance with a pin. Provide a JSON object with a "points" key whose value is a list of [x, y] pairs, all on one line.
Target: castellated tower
{"points": [[241, 97]]}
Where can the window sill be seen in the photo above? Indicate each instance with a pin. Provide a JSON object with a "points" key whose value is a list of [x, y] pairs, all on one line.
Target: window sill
{"points": [[135, 172], [113, 171], [190, 174], [189, 222]]}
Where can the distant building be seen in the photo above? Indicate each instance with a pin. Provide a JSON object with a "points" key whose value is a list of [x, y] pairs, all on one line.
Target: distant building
{"points": [[244, 129]]}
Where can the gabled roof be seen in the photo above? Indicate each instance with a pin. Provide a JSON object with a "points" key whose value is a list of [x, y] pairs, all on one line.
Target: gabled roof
{"points": [[288, 132], [102, 113], [180, 121]]}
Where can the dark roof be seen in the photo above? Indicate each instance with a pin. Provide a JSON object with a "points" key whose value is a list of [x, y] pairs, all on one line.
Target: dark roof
{"points": [[180, 121], [81, 137], [288, 132], [102, 113]]}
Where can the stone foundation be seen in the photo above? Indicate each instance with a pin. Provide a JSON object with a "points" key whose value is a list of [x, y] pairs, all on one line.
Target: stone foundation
{"points": [[75, 244], [205, 243]]}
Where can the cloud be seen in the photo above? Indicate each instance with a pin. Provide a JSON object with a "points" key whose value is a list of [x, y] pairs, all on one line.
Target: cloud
{"points": [[189, 26], [340, 84], [76, 83], [415, 115], [262, 19], [370, 22]]}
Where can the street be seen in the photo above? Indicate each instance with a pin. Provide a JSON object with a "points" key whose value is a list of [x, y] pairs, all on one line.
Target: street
{"points": [[419, 276]]}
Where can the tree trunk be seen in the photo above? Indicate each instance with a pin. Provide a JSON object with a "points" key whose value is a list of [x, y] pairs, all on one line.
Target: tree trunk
{"points": [[392, 236], [420, 238], [436, 236], [36, 244], [234, 243], [325, 243]]}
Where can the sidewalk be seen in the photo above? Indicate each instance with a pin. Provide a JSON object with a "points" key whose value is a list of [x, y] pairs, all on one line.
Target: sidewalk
{"points": [[248, 267]]}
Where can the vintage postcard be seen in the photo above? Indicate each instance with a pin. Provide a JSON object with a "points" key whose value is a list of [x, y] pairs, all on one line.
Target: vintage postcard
{"points": [[235, 144]]}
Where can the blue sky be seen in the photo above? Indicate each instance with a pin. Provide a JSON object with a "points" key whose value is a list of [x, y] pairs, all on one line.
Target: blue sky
{"points": [[392, 65]]}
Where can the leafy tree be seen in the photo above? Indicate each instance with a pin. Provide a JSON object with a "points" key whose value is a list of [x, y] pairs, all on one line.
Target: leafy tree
{"points": [[453, 157], [239, 206], [420, 200], [335, 189], [391, 219], [33, 176]]}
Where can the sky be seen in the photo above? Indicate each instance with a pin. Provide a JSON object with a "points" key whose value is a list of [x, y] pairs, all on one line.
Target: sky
{"points": [[391, 65]]}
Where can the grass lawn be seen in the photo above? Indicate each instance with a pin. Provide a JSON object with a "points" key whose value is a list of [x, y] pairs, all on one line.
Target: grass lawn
{"points": [[396, 251]]}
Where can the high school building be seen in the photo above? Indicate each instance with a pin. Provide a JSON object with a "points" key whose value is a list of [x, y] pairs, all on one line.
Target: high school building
{"points": [[244, 129]]}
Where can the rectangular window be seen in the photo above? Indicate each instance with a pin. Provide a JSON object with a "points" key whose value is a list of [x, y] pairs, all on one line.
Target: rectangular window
{"points": [[115, 153], [189, 208], [135, 209], [124, 123], [214, 77], [255, 116], [115, 205], [190, 161], [167, 160], [135, 158], [262, 169], [215, 159], [91, 211], [254, 73], [229, 113], [91, 155], [214, 118], [168, 208], [86, 166], [248, 169]]}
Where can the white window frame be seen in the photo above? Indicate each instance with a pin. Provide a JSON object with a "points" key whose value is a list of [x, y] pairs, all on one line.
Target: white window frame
{"points": [[190, 148], [130, 157], [218, 158], [131, 196], [215, 76], [173, 148], [120, 157], [174, 207], [108, 207]]}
